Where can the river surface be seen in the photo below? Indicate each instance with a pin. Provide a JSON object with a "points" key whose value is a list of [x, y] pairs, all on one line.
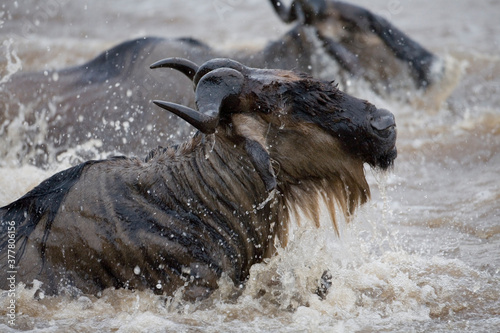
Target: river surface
{"points": [[422, 256]]}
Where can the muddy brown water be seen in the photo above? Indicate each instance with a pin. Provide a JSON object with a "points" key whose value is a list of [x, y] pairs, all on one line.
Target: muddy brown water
{"points": [[422, 256]]}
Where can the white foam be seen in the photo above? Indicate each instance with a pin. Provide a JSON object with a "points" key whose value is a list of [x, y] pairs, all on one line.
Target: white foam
{"points": [[13, 62]]}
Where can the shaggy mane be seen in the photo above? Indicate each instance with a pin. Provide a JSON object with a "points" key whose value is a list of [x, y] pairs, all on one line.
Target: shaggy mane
{"points": [[342, 192]]}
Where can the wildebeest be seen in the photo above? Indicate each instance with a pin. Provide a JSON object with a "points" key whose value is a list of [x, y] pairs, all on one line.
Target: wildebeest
{"points": [[107, 98], [269, 142]]}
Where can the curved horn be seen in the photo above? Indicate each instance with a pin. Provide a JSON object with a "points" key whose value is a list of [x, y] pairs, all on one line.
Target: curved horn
{"points": [[184, 66], [213, 64], [199, 120], [217, 91]]}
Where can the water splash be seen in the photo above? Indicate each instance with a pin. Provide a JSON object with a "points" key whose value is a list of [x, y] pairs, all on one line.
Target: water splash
{"points": [[13, 64], [369, 291], [414, 280]]}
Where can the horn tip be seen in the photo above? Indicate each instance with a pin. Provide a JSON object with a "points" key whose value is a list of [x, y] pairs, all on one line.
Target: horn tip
{"points": [[157, 64], [160, 103]]}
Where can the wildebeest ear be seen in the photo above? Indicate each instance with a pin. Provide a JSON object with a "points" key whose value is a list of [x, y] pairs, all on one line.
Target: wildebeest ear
{"points": [[253, 131]]}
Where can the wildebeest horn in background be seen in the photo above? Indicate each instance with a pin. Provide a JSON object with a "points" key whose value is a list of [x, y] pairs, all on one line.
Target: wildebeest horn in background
{"points": [[304, 11]]}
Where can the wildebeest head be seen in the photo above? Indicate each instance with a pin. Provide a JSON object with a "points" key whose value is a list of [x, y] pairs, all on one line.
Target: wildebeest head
{"points": [[347, 31], [297, 131]]}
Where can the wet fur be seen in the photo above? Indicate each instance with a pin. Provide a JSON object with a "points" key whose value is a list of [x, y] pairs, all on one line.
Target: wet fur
{"points": [[188, 213]]}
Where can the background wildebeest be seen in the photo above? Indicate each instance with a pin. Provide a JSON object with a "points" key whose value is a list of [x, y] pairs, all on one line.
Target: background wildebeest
{"points": [[107, 98], [269, 142]]}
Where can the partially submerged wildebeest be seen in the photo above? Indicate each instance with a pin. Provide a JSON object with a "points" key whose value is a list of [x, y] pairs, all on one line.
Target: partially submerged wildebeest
{"points": [[270, 142], [107, 98]]}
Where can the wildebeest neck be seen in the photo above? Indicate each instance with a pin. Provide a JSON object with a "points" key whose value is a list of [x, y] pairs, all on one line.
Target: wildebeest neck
{"points": [[223, 193]]}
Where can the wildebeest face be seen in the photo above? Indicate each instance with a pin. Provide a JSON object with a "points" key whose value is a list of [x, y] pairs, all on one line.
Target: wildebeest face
{"points": [[361, 128], [357, 126]]}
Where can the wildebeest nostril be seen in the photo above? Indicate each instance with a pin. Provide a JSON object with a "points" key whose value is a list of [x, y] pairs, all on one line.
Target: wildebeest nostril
{"points": [[382, 119]]}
